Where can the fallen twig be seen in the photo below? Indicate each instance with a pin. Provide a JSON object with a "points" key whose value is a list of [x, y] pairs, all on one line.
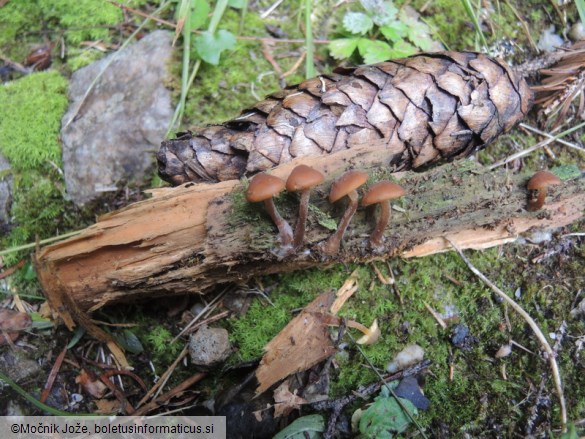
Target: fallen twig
{"points": [[163, 399], [550, 354], [53, 375], [337, 405], [535, 147]]}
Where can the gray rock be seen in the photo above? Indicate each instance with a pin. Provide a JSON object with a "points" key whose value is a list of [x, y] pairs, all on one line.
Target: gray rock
{"points": [[5, 193], [209, 346], [112, 139], [18, 366]]}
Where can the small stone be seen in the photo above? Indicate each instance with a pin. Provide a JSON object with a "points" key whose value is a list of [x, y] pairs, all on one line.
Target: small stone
{"points": [[577, 31], [504, 351], [549, 41], [124, 118], [409, 389], [462, 339], [5, 194], [408, 356], [578, 310], [209, 346], [18, 366]]}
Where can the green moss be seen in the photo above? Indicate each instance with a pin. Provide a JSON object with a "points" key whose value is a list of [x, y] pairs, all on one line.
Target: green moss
{"points": [[158, 343], [78, 20], [30, 120], [448, 20], [477, 392]]}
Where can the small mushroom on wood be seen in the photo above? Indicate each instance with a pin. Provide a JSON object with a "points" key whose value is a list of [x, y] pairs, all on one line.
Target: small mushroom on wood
{"points": [[537, 186], [262, 188], [381, 193], [345, 185], [302, 179]]}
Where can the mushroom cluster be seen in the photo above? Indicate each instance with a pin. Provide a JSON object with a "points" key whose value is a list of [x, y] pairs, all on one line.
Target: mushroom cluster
{"points": [[302, 179]]}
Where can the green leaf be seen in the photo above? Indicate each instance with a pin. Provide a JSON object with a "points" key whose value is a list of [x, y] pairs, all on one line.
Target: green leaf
{"points": [[130, 342], [385, 417], [382, 11], [374, 51], [305, 427], [402, 49], [418, 32], [199, 14], [357, 23], [30, 273], [395, 31], [79, 331], [209, 47], [343, 48], [237, 4]]}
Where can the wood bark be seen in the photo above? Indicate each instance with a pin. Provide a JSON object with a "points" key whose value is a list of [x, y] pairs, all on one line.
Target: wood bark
{"points": [[190, 238]]}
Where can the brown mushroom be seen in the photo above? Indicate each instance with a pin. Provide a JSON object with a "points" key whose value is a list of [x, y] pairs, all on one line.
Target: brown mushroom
{"points": [[262, 188], [302, 179], [537, 186], [381, 193], [345, 185]]}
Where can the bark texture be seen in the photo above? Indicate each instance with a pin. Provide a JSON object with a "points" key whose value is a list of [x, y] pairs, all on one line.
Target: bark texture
{"points": [[423, 109], [190, 238]]}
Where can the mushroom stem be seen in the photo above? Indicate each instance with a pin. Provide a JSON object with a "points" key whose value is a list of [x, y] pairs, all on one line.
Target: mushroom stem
{"points": [[536, 199], [284, 229], [378, 233], [302, 220], [356, 325], [331, 246]]}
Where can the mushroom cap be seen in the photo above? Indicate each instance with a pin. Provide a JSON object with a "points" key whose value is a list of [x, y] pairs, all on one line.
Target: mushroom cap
{"points": [[348, 182], [372, 336], [303, 177], [263, 186], [382, 191], [541, 180]]}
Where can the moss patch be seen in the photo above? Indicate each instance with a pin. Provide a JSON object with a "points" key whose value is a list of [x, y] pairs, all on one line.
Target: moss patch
{"points": [[30, 120], [477, 394], [22, 21]]}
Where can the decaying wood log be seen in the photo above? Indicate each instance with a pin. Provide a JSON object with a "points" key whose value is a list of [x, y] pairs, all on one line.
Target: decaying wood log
{"points": [[195, 236], [424, 109]]}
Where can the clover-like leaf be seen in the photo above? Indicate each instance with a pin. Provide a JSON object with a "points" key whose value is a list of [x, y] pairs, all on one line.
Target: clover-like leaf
{"points": [[402, 49], [373, 51], [418, 32], [209, 46], [343, 48], [385, 417], [357, 23], [310, 426], [394, 31], [381, 11]]}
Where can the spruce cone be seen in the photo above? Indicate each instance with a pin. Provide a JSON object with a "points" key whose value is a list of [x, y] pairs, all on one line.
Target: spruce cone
{"points": [[427, 108]]}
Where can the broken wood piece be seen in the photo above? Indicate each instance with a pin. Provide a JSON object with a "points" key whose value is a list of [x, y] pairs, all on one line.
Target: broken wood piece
{"points": [[190, 238], [303, 343]]}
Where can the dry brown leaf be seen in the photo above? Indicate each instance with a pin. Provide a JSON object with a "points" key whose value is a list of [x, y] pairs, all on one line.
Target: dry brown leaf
{"points": [[107, 406], [304, 342], [349, 287], [11, 324], [93, 386], [285, 401]]}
